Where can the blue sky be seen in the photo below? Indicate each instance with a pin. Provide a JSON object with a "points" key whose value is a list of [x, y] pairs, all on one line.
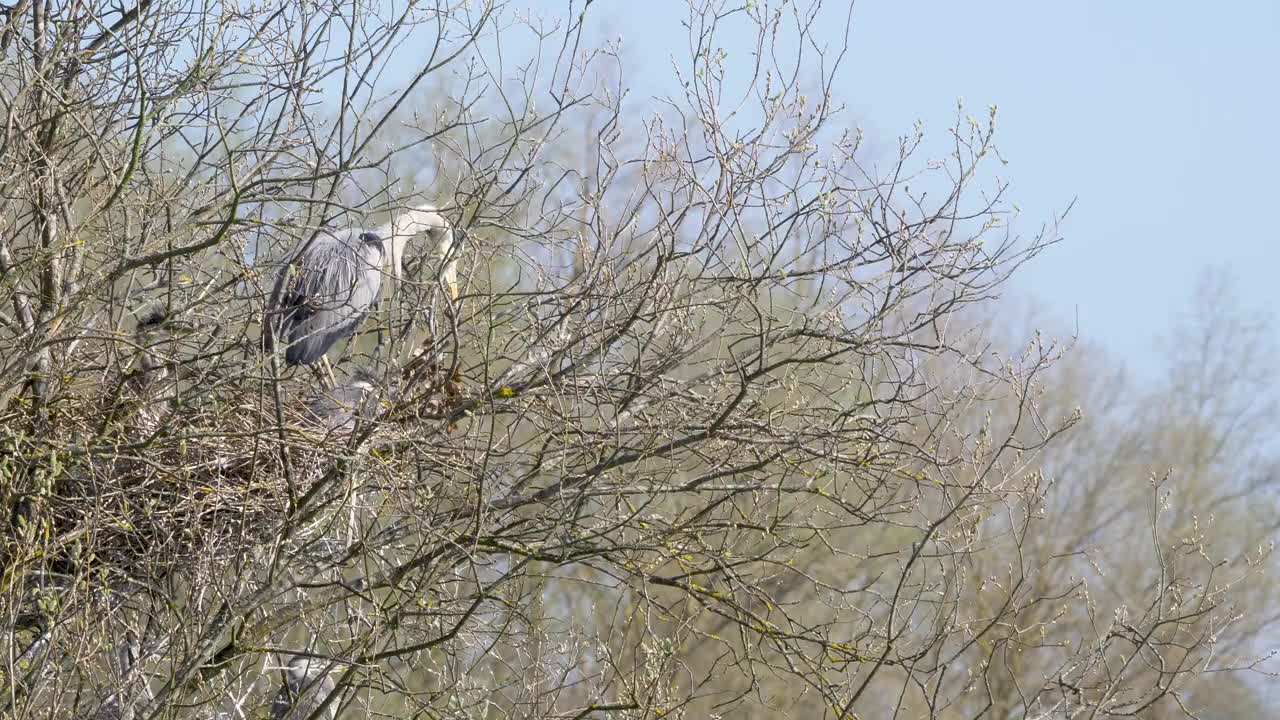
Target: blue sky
{"points": [[1158, 117]]}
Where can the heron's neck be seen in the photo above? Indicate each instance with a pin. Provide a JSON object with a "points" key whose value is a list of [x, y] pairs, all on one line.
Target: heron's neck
{"points": [[415, 220], [395, 237], [404, 226]]}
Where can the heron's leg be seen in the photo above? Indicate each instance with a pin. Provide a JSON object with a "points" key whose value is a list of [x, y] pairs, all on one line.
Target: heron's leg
{"points": [[328, 370], [446, 356], [323, 373], [353, 520]]}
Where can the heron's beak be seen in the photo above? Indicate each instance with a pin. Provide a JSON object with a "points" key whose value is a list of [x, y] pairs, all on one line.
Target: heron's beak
{"points": [[180, 327], [453, 289], [173, 328]]}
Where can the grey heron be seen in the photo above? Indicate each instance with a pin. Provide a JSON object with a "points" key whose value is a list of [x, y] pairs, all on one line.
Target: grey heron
{"points": [[339, 409], [329, 285], [306, 686], [151, 386], [154, 328]]}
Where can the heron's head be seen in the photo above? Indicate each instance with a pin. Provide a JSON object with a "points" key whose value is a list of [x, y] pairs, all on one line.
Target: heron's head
{"points": [[363, 377], [152, 316], [303, 669], [442, 242], [154, 319]]}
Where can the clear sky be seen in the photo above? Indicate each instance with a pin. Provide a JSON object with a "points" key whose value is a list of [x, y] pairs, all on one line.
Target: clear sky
{"points": [[1159, 117]]}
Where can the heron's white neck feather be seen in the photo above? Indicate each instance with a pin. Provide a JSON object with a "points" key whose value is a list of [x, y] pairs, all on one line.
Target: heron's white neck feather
{"points": [[408, 224]]}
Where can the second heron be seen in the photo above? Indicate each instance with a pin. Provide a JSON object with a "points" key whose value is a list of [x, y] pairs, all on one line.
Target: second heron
{"points": [[327, 286]]}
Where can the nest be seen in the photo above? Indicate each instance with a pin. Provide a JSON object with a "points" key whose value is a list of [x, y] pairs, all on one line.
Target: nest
{"points": [[134, 474], [160, 486]]}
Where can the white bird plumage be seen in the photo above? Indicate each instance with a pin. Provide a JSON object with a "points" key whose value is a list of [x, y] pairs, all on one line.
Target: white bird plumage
{"points": [[444, 242]]}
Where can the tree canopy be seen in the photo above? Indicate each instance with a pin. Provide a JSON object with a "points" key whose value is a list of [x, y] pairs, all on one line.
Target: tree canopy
{"points": [[721, 425]]}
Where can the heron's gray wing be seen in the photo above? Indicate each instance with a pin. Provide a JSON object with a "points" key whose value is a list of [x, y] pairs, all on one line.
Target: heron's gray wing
{"points": [[325, 294]]}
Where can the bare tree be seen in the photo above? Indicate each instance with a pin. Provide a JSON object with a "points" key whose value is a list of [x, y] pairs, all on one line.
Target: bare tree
{"points": [[710, 430]]}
